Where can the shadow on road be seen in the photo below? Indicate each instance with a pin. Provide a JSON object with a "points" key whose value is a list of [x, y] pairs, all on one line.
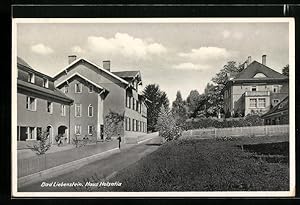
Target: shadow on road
{"points": [[153, 144]]}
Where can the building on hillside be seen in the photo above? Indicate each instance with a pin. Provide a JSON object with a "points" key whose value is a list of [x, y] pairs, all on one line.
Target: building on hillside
{"points": [[96, 91], [278, 115], [40, 106], [256, 89]]}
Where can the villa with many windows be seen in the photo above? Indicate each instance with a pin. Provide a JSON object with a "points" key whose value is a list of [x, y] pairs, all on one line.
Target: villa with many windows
{"points": [[256, 89], [76, 100]]}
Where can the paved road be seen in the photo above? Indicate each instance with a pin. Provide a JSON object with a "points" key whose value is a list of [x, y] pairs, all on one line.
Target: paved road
{"points": [[101, 169]]}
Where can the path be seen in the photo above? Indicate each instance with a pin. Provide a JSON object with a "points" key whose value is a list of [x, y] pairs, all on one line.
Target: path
{"points": [[101, 169]]}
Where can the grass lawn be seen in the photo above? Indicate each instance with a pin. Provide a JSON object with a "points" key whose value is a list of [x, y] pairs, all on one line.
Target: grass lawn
{"points": [[210, 165]]}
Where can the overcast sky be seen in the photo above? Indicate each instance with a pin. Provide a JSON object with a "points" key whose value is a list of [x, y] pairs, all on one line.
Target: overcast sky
{"points": [[177, 56]]}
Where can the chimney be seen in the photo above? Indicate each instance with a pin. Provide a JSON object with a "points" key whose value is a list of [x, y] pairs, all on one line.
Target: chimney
{"points": [[71, 58], [264, 59], [106, 65], [249, 60]]}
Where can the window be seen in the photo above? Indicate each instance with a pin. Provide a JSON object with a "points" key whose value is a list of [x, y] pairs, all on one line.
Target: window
{"points": [[78, 87], [133, 125], [129, 124], [137, 125], [46, 83], [253, 88], [275, 88], [275, 101], [253, 102], [31, 133], [90, 111], [127, 101], [77, 110], [49, 107], [38, 133], [262, 102], [133, 104], [31, 103], [66, 88], [63, 110], [31, 78], [90, 129], [90, 88], [77, 129]]}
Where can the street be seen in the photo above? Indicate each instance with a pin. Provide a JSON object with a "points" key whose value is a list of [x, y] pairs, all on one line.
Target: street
{"points": [[101, 169]]}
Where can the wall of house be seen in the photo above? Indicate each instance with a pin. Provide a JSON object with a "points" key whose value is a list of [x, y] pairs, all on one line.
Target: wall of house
{"points": [[40, 117], [115, 100], [258, 110], [281, 118], [239, 89], [85, 98]]}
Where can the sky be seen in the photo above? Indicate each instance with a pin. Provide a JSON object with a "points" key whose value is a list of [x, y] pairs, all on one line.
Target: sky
{"points": [[176, 56]]}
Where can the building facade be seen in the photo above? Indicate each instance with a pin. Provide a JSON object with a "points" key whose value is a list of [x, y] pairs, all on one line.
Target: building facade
{"points": [[278, 115], [96, 92], [40, 106], [256, 89], [76, 101]]}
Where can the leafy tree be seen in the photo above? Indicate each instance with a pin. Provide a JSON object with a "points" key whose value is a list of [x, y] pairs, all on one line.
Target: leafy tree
{"points": [[231, 67], [179, 110], [157, 98], [113, 125], [166, 125], [193, 102], [285, 70]]}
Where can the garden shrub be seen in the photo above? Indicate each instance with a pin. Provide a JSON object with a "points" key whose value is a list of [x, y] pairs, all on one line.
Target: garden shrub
{"points": [[42, 146], [201, 123], [166, 125], [113, 125]]}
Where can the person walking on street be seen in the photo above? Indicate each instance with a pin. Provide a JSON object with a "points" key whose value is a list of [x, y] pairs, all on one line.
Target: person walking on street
{"points": [[119, 138]]}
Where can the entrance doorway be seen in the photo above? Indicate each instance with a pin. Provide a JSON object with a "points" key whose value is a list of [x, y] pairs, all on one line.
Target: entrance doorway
{"points": [[50, 131], [63, 131]]}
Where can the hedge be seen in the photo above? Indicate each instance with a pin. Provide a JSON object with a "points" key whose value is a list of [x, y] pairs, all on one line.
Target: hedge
{"points": [[198, 123]]}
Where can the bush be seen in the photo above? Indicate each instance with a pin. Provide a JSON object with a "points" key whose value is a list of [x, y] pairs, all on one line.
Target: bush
{"points": [[113, 125], [200, 123], [43, 145], [166, 125]]}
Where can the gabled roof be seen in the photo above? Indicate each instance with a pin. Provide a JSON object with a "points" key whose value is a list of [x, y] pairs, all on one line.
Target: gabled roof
{"points": [[43, 91], [25, 66], [93, 64], [23, 63], [84, 78], [127, 74], [255, 67], [281, 106]]}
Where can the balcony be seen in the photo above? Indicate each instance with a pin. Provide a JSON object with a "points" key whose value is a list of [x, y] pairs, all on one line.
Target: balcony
{"points": [[256, 93]]}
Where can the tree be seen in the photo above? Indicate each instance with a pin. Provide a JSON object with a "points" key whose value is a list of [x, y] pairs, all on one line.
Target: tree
{"points": [[113, 125], [157, 98], [214, 103], [285, 70], [230, 68], [193, 102], [179, 110], [166, 125]]}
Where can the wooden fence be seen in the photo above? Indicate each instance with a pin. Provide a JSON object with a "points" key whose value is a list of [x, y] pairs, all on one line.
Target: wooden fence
{"points": [[237, 131]]}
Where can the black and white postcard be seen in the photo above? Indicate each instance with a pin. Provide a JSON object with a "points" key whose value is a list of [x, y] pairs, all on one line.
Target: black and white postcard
{"points": [[137, 107]]}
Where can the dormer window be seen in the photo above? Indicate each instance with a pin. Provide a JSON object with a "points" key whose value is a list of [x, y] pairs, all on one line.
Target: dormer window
{"points": [[31, 77], [259, 75], [46, 83]]}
